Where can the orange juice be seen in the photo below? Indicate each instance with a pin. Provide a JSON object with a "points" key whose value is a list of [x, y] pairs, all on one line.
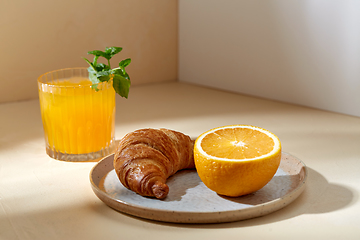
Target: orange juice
{"points": [[76, 118]]}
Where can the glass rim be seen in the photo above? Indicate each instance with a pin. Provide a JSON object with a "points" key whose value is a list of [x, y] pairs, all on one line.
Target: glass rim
{"points": [[40, 81]]}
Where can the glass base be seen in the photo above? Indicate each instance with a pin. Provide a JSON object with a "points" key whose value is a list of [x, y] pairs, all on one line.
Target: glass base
{"points": [[86, 157]]}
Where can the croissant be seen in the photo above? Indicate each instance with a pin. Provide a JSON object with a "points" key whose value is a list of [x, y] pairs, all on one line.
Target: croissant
{"points": [[145, 158]]}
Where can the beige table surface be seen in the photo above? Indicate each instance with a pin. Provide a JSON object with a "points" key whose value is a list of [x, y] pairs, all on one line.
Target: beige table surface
{"points": [[43, 198]]}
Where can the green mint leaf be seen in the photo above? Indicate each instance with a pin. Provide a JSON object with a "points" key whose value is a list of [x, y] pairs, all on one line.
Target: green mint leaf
{"points": [[104, 76], [93, 78], [99, 72], [99, 54], [101, 67], [121, 85], [91, 70], [111, 51], [95, 87], [95, 60], [124, 63], [121, 72], [90, 63]]}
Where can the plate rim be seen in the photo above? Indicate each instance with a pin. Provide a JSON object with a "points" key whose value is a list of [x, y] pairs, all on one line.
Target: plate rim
{"points": [[280, 201]]}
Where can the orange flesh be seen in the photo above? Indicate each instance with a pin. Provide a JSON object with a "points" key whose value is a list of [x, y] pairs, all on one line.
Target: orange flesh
{"points": [[237, 143]]}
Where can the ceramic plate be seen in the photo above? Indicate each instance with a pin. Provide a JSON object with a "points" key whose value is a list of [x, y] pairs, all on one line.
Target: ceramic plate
{"points": [[190, 201]]}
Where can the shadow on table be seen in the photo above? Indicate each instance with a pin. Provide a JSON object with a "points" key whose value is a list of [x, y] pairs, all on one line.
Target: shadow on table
{"points": [[319, 196]]}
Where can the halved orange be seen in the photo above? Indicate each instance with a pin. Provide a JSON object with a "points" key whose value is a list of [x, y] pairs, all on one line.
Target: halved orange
{"points": [[238, 159]]}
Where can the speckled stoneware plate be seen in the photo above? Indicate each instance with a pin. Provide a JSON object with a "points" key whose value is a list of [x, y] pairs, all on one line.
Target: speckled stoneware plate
{"points": [[190, 201]]}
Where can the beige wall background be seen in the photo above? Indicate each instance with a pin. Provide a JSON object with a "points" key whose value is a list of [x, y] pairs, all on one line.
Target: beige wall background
{"points": [[41, 35], [305, 52]]}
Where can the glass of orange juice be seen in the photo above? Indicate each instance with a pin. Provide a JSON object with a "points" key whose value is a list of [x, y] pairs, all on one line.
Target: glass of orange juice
{"points": [[78, 120]]}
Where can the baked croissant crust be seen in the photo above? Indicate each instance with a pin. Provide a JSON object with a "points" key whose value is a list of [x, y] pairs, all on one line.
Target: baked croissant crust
{"points": [[145, 158]]}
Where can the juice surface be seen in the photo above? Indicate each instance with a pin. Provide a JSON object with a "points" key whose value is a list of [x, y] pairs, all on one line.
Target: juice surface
{"points": [[76, 118]]}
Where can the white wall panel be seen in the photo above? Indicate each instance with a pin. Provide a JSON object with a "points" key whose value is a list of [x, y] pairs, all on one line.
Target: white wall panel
{"points": [[305, 52]]}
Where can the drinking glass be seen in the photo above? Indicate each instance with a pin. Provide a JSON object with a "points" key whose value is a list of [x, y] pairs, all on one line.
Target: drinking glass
{"points": [[78, 119]]}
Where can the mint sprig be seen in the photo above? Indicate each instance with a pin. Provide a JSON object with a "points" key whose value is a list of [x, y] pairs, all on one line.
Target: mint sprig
{"points": [[100, 72]]}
